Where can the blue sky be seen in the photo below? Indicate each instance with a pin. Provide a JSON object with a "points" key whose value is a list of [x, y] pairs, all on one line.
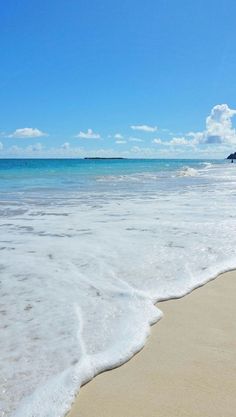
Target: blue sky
{"points": [[106, 78]]}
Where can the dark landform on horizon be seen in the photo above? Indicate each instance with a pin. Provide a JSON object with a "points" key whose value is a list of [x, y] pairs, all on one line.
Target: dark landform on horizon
{"points": [[232, 156]]}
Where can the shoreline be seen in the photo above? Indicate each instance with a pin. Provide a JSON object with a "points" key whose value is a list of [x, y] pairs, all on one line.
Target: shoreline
{"points": [[190, 351]]}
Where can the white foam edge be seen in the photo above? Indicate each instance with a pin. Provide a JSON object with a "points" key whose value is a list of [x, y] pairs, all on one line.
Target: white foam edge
{"points": [[56, 397]]}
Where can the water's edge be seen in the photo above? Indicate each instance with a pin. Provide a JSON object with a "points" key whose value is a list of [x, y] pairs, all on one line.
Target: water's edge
{"points": [[89, 264], [161, 315], [86, 362]]}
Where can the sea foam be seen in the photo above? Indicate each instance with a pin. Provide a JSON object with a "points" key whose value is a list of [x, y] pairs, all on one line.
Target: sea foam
{"points": [[81, 273]]}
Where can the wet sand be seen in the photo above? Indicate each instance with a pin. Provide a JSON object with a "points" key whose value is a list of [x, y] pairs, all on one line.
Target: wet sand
{"points": [[187, 367]]}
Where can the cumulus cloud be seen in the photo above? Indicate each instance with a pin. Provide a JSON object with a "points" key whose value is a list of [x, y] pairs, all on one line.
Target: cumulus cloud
{"points": [[144, 128], [118, 136], [1, 146], [219, 125], [219, 128], [27, 132], [88, 135]]}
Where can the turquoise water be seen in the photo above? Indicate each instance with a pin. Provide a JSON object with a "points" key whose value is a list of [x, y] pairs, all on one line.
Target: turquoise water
{"points": [[79, 174], [87, 249]]}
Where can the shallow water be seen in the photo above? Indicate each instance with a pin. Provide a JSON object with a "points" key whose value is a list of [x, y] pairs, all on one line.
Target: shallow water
{"points": [[86, 249]]}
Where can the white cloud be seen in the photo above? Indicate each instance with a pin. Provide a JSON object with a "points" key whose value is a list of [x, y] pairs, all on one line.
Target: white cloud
{"points": [[39, 151], [27, 132], [120, 142], [176, 141], [88, 135], [131, 139], [214, 141], [207, 151], [118, 136], [65, 145], [219, 127], [180, 141], [144, 128], [157, 141], [196, 137]]}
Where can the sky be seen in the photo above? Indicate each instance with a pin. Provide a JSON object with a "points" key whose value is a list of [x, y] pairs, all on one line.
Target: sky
{"points": [[152, 79]]}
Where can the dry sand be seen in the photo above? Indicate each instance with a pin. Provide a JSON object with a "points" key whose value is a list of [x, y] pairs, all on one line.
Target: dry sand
{"points": [[187, 368]]}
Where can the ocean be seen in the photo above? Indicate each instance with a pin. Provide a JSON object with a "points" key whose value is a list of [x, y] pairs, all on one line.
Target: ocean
{"points": [[87, 248]]}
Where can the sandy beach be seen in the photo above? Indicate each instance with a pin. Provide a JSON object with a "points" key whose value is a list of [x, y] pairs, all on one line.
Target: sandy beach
{"points": [[187, 367]]}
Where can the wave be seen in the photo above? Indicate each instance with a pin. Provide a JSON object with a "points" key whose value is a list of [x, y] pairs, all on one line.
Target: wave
{"points": [[87, 275], [187, 172], [207, 165], [134, 177]]}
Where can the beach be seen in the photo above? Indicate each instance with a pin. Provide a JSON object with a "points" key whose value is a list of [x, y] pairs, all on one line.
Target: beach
{"points": [[90, 253], [187, 367], [117, 209]]}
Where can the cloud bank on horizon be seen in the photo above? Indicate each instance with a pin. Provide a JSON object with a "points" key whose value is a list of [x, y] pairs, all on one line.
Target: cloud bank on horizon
{"points": [[216, 140]]}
